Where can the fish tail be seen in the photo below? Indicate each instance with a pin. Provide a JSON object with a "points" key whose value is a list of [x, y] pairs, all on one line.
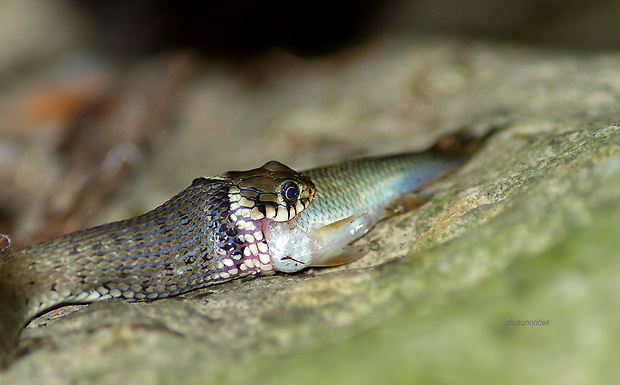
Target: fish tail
{"points": [[462, 145]]}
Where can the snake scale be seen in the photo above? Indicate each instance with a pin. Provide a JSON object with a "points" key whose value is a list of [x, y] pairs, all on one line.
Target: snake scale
{"points": [[239, 223]]}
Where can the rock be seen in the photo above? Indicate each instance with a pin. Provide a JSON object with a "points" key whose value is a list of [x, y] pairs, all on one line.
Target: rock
{"points": [[526, 231]]}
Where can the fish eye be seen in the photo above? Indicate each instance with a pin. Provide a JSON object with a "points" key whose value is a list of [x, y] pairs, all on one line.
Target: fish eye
{"points": [[289, 192]]}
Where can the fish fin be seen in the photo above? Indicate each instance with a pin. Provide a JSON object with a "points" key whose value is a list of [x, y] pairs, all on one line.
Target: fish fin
{"points": [[352, 227], [347, 255], [406, 203], [356, 226]]}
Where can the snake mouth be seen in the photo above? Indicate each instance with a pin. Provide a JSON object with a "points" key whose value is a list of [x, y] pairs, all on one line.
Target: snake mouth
{"points": [[273, 193], [290, 247]]}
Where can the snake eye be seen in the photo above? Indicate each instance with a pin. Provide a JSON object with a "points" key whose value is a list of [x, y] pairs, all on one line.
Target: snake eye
{"points": [[289, 192]]}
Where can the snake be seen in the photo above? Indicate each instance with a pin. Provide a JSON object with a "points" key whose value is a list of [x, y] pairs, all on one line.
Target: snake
{"points": [[239, 223]]}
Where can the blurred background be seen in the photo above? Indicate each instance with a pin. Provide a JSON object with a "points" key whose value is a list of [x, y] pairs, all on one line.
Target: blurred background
{"points": [[91, 88]]}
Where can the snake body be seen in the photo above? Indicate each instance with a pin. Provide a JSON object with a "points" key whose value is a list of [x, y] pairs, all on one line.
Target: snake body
{"points": [[236, 224]]}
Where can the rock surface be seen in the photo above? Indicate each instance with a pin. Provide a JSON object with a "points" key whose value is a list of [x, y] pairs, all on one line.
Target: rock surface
{"points": [[527, 230]]}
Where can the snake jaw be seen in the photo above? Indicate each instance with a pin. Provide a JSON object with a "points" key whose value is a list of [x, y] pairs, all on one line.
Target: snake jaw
{"points": [[271, 194]]}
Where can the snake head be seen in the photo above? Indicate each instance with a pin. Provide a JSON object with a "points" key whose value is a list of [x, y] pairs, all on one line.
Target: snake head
{"points": [[273, 193]]}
